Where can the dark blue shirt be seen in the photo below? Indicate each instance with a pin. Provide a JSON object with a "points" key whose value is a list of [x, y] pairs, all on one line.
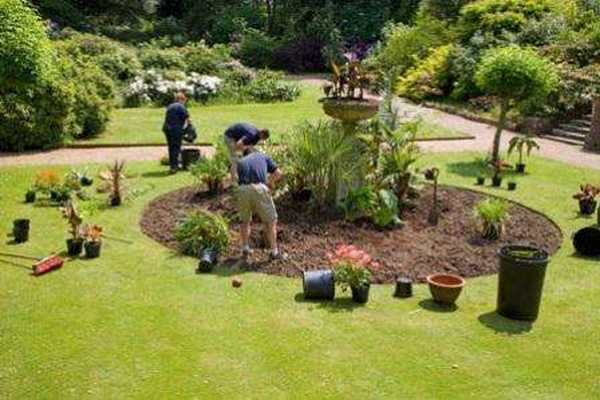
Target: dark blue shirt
{"points": [[254, 168], [243, 130], [176, 116]]}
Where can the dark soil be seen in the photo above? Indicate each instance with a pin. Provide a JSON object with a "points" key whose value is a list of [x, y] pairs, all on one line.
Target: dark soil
{"points": [[414, 250]]}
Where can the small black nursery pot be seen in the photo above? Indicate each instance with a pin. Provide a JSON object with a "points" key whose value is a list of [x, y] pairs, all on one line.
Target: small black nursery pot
{"points": [[30, 196], [496, 181], [21, 230], [520, 168], [403, 288], [587, 207], [360, 294], [92, 249], [74, 247], [512, 186], [480, 180], [208, 260]]}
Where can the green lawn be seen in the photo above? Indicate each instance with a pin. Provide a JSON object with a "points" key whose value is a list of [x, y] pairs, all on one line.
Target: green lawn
{"points": [[143, 125], [139, 323]]}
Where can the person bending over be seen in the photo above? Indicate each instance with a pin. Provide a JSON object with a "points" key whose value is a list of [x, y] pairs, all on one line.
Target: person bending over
{"points": [[176, 118], [257, 173], [240, 137]]}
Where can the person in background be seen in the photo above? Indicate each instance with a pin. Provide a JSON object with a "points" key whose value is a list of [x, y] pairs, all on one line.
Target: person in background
{"points": [[240, 137], [176, 118], [257, 174]]}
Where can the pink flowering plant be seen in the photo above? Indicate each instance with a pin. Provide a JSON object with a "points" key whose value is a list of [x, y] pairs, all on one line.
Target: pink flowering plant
{"points": [[352, 266]]}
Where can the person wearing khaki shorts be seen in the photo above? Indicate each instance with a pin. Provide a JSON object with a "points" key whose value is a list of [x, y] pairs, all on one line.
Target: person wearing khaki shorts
{"points": [[239, 137], [256, 174]]}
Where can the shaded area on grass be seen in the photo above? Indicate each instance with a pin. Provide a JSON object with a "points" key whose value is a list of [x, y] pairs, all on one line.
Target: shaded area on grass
{"points": [[498, 323]]}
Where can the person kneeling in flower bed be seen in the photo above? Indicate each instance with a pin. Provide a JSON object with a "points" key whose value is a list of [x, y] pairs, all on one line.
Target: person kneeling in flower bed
{"points": [[240, 137], [352, 268], [254, 197]]}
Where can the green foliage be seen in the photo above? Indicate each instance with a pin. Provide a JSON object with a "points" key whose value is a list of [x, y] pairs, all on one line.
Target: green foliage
{"points": [[492, 213], [322, 157], [443, 9], [153, 57], [202, 230], [516, 74], [521, 143], [359, 203], [428, 78], [256, 48], [269, 86], [385, 214], [25, 50], [351, 275], [212, 171], [205, 60]]}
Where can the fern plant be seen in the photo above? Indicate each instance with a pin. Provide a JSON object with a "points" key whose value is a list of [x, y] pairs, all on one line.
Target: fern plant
{"points": [[201, 230]]}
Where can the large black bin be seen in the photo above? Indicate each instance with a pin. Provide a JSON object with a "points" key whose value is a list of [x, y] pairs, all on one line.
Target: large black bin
{"points": [[587, 241], [520, 281]]}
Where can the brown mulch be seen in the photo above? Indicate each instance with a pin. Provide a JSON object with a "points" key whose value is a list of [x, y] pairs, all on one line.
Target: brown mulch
{"points": [[414, 250]]}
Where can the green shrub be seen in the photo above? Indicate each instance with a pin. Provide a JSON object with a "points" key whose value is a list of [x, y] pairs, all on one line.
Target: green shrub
{"points": [[203, 59], [491, 214], [359, 203], [323, 157], [25, 50], [212, 171], [156, 58], [202, 230], [514, 75], [428, 78], [443, 9], [269, 86], [256, 49]]}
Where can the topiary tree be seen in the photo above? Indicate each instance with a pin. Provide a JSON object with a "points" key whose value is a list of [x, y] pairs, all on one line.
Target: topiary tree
{"points": [[25, 50], [514, 75]]}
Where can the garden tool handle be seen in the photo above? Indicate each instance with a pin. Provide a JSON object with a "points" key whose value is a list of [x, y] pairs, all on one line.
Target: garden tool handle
{"points": [[16, 255], [117, 239]]}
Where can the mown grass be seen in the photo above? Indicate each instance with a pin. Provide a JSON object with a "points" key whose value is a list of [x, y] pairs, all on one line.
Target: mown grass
{"points": [[143, 125], [139, 323]]}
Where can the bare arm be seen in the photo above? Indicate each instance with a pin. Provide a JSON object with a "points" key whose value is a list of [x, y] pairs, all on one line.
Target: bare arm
{"points": [[275, 177], [240, 145]]}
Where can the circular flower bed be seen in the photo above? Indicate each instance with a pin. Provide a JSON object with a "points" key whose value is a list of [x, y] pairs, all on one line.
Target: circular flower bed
{"points": [[415, 250]]}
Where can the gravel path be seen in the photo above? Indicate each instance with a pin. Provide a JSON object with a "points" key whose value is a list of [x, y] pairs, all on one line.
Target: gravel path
{"points": [[483, 134]]}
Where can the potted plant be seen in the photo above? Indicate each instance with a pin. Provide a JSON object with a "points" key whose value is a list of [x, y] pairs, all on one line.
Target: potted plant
{"points": [[512, 185], [498, 167], [211, 171], [344, 95], [587, 198], [30, 195], [45, 181], [114, 183], [480, 180], [60, 193], [93, 240], [491, 215], [205, 235], [520, 143], [21, 230], [75, 243], [351, 270]]}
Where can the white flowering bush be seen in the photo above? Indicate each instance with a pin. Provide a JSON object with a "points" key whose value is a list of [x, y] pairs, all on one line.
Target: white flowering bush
{"points": [[160, 88]]}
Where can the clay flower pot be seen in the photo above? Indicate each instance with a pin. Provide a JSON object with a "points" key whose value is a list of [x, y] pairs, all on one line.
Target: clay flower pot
{"points": [[445, 288]]}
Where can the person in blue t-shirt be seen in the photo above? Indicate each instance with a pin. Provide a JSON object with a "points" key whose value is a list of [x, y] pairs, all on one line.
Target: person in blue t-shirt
{"points": [[176, 118], [257, 173], [239, 137]]}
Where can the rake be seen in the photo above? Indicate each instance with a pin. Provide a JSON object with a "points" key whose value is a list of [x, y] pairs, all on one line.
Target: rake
{"points": [[42, 265]]}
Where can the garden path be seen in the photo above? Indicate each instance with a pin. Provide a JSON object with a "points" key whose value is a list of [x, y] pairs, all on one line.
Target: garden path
{"points": [[482, 133]]}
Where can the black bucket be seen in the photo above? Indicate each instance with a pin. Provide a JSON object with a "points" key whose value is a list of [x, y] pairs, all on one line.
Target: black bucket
{"points": [[21, 230], [587, 241], [521, 281], [587, 207], [208, 260], [403, 288], [92, 249], [318, 285], [189, 156], [360, 294], [30, 196], [520, 168]]}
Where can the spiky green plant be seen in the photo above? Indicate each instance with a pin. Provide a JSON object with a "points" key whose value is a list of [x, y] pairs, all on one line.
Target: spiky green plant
{"points": [[491, 215], [202, 230], [520, 143]]}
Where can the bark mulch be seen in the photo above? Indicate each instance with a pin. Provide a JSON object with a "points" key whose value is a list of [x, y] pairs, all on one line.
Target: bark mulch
{"points": [[414, 250]]}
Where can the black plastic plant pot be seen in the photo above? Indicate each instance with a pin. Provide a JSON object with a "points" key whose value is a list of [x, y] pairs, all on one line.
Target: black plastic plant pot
{"points": [[360, 294], [92, 249], [74, 247], [496, 181], [115, 201], [318, 285], [54, 195], [587, 241], [587, 207], [208, 260], [521, 281], [86, 181], [520, 168], [480, 180], [21, 230], [512, 186], [30, 196], [189, 156], [403, 288]]}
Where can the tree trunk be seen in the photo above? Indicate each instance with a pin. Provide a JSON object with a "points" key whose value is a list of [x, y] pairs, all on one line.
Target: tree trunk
{"points": [[499, 129], [592, 141]]}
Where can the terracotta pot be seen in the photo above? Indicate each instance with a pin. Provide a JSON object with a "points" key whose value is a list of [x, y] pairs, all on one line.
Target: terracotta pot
{"points": [[445, 288], [350, 110]]}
